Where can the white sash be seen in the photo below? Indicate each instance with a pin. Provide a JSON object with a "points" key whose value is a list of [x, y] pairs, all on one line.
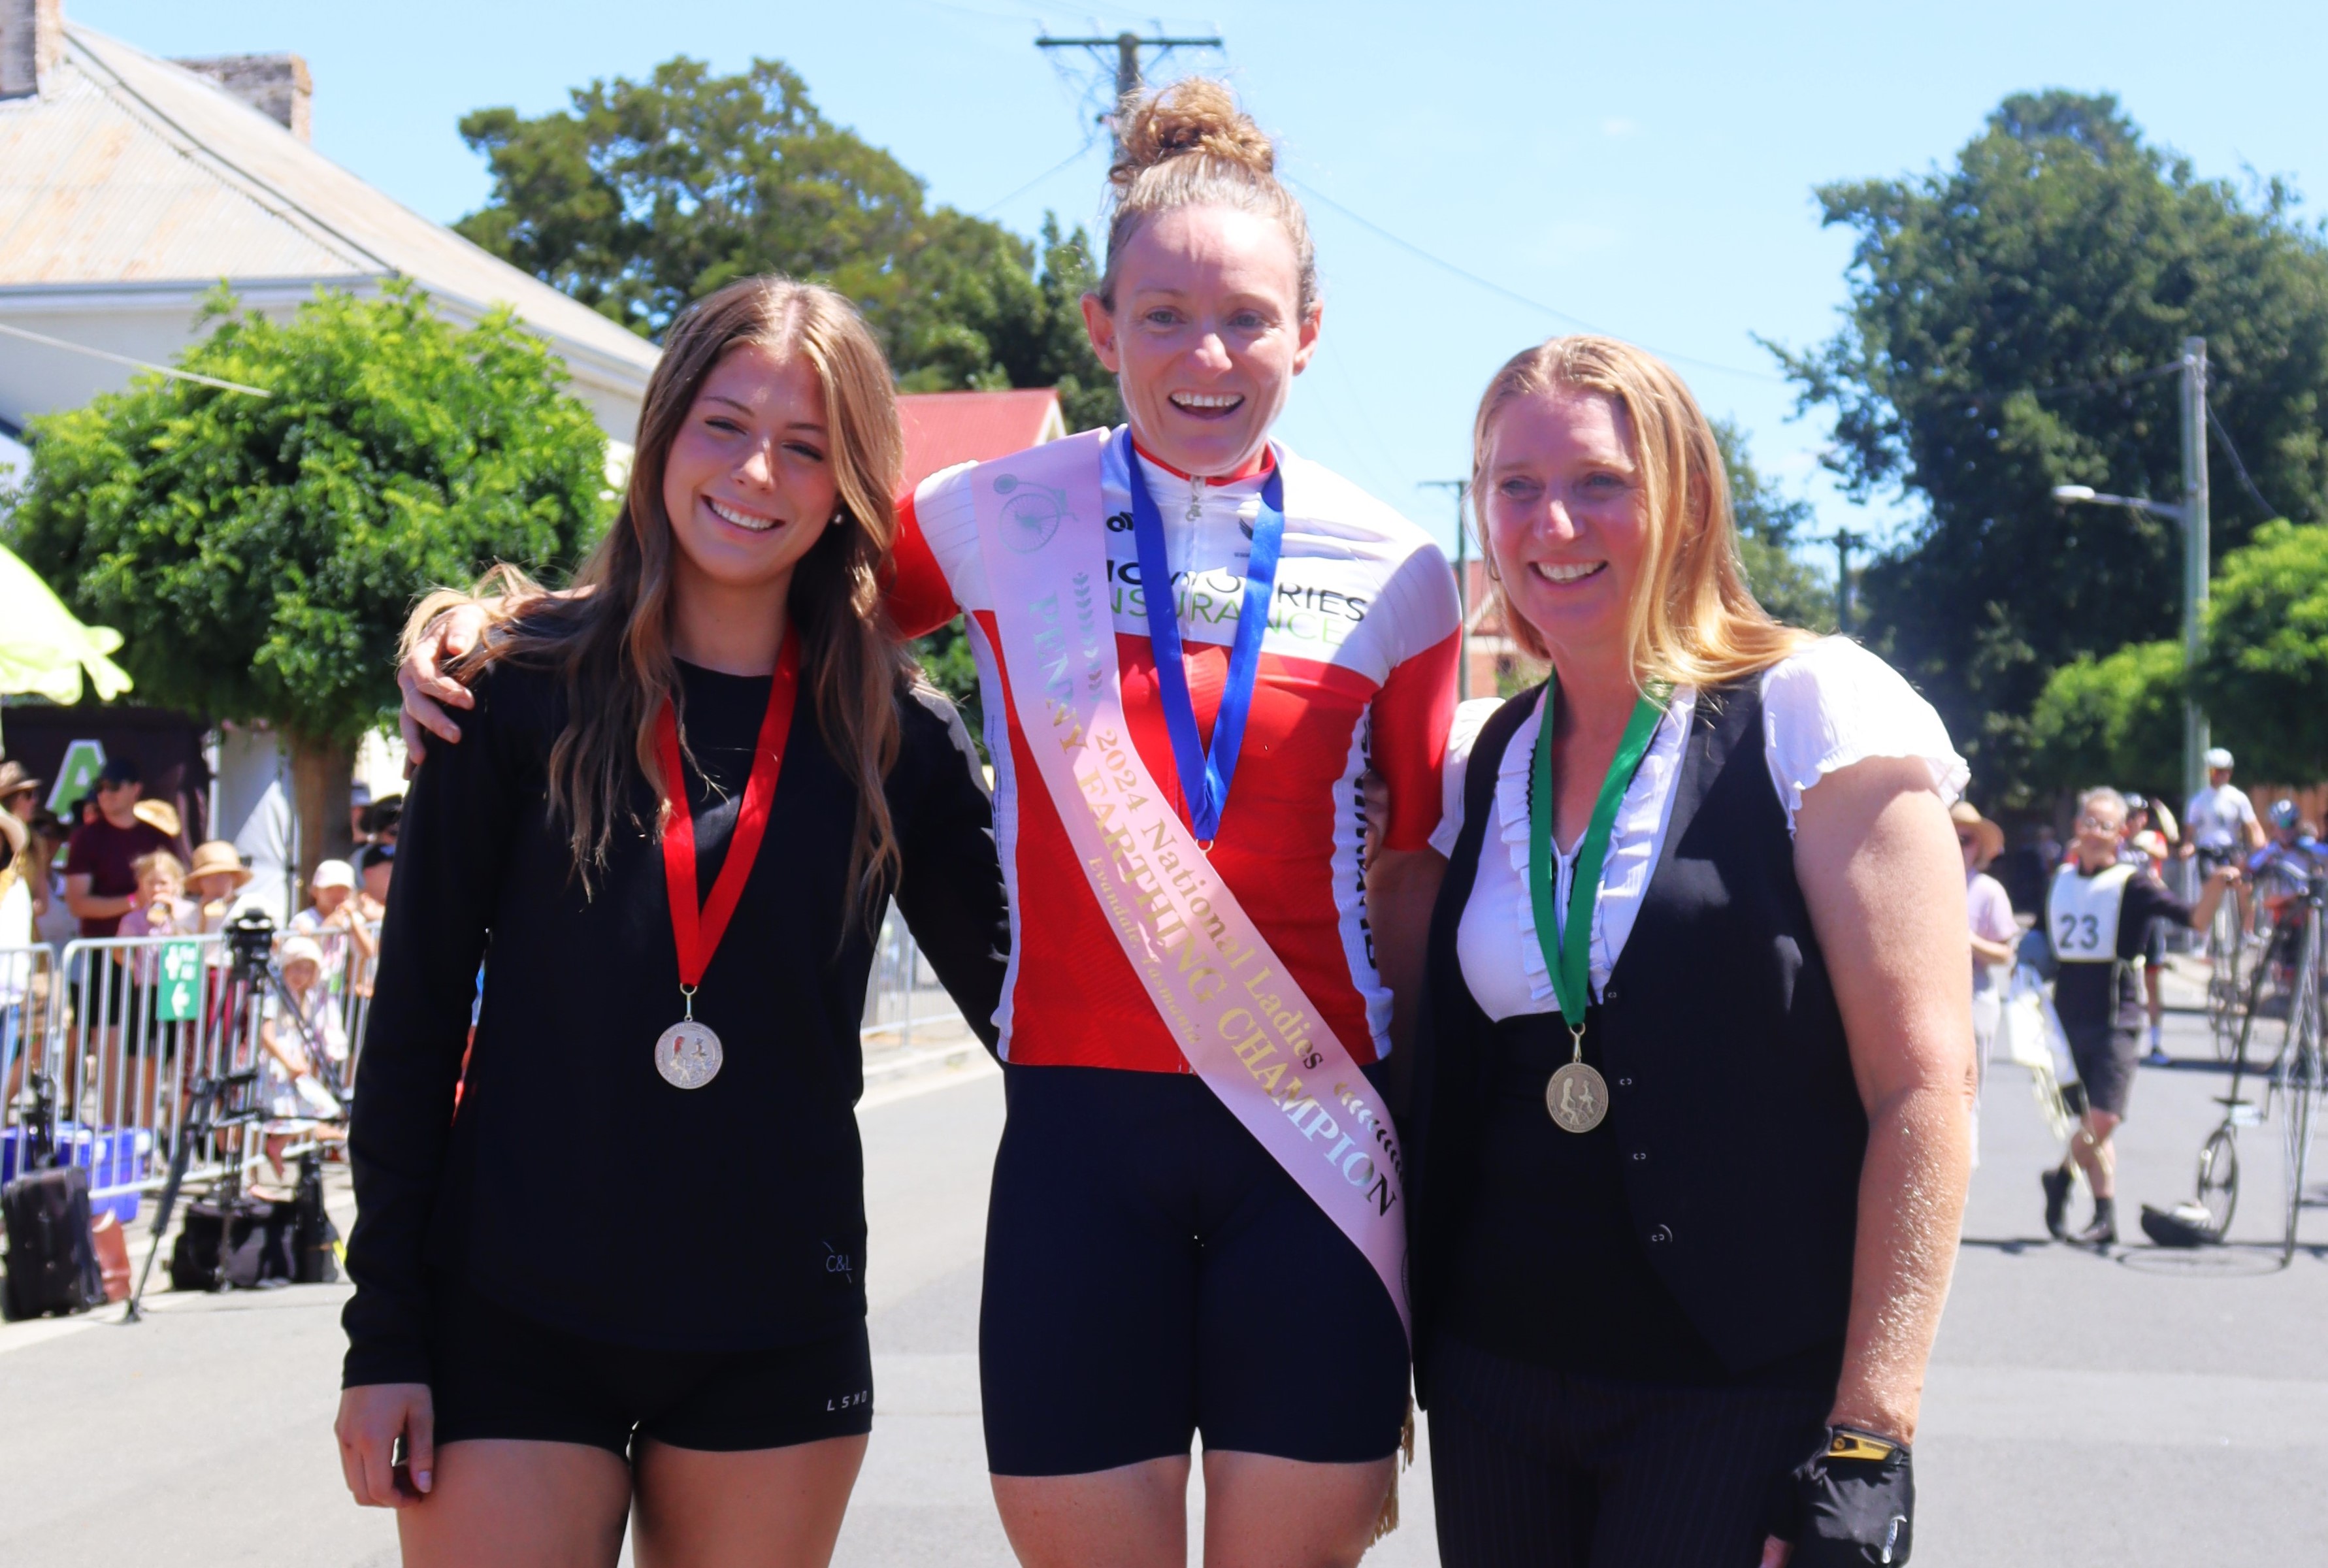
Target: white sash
{"points": [[1233, 1008]]}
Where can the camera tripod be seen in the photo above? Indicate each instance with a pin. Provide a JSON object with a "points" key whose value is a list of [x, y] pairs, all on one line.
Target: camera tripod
{"points": [[225, 1099]]}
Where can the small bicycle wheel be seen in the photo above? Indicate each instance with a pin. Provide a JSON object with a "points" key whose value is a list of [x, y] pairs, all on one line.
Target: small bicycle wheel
{"points": [[2219, 1180]]}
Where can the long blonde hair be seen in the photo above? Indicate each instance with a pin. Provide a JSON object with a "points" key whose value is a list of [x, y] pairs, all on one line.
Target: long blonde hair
{"points": [[613, 644], [1187, 145], [1693, 620]]}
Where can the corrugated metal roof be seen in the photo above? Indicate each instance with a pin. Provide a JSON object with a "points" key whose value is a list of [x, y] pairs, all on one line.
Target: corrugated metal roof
{"points": [[128, 168], [943, 428]]}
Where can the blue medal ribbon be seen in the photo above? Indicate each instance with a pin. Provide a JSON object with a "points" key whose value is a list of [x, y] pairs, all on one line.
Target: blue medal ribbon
{"points": [[1205, 778]]}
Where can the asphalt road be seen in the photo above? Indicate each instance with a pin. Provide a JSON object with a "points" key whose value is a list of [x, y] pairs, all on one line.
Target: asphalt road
{"points": [[2132, 1409]]}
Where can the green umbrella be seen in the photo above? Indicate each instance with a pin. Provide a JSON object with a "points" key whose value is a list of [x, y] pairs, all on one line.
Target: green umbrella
{"points": [[43, 649]]}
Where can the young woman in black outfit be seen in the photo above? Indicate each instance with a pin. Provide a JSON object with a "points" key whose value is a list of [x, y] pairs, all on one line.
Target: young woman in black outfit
{"points": [[1691, 1115], [627, 1277]]}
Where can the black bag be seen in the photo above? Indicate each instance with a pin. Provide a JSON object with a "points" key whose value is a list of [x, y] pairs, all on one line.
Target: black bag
{"points": [[51, 1260], [314, 1239], [258, 1245]]}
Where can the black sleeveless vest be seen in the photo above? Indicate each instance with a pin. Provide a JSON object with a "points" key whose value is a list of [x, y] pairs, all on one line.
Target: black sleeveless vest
{"points": [[1730, 1155]]}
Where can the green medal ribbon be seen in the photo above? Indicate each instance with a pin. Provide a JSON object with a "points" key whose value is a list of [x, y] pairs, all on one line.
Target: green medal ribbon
{"points": [[1567, 952]]}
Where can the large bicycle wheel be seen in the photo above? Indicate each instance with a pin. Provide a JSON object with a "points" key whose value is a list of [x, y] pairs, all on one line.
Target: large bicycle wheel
{"points": [[2227, 998], [2298, 1107], [2219, 1180], [2300, 1072]]}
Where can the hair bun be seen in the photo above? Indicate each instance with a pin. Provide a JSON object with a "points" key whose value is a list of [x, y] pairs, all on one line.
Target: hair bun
{"points": [[1198, 114]]}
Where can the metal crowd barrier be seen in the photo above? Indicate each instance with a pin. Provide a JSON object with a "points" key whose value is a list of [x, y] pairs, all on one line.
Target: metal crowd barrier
{"points": [[121, 1028]]}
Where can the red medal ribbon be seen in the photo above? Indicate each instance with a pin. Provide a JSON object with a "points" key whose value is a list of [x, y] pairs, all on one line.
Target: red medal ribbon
{"points": [[698, 935]]}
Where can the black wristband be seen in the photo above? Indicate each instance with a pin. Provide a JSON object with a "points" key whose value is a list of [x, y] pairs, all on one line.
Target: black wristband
{"points": [[1851, 1503]]}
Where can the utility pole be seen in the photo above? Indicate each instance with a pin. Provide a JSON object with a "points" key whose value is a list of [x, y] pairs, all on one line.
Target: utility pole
{"points": [[1128, 76], [2191, 514], [1845, 542], [1462, 489], [2195, 563]]}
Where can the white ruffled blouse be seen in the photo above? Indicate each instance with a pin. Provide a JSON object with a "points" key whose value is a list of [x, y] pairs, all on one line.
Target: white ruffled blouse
{"points": [[1826, 708]]}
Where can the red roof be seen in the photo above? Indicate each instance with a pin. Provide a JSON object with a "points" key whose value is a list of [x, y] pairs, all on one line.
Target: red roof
{"points": [[943, 428]]}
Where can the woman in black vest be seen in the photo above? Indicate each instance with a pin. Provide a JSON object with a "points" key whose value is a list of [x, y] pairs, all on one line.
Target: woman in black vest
{"points": [[1690, 1131]]}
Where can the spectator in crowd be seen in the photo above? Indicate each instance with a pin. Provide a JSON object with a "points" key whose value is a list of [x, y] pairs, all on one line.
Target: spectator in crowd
{"points": [[20, 799], [382, 818], [335, 921], [216, 879], [1994, 932], [359, 809], [15, 932], [291, 1088], [376, 865], [53, 921], [2097, 916], [161, 909], [2141, 846], [100, 879]]}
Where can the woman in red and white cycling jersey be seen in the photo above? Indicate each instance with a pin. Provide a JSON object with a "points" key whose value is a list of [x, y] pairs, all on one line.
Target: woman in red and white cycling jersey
{"points": [[1195, 1223]]}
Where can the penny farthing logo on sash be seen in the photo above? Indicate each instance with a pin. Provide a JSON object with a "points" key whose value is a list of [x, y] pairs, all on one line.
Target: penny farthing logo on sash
{"points": [[1030, 514]]}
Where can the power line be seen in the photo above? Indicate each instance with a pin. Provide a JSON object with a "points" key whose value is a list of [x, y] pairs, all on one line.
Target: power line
{"points": [[1494, 288], [2238, 467], [1127, 45], [1074, 157]]}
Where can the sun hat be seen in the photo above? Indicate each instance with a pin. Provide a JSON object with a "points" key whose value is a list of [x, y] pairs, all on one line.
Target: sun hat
{"points": [[19, 836], [159, 815], [1986, 835], [2217, 756], [14, 780], [219, 858], [300, 949], [333, 874]]}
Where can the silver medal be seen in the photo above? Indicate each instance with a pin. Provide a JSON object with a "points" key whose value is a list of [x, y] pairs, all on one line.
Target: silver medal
{"points": [[688, 1055], [1577, 1096]]}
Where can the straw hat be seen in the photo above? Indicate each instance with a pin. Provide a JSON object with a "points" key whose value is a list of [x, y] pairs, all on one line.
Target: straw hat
{"points": [[14, 780], [19, 836], [1987, 837], [218, 857], [159, 815]]}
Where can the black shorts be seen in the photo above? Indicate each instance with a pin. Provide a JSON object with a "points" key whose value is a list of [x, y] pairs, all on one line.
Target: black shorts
{"points": [[1153, 1273], [498, 1374], [2107, 1057]]}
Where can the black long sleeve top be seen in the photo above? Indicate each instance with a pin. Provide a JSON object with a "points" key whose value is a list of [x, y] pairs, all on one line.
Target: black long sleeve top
{"points": [[575, 1185]]}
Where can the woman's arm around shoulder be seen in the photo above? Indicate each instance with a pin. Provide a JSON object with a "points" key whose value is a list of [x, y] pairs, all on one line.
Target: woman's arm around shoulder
{"points": [[952, 892]]}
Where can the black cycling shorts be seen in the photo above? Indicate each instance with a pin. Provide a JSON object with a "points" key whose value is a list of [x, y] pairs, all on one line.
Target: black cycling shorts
{"points": [[498, 1374], [1153, 1273]]}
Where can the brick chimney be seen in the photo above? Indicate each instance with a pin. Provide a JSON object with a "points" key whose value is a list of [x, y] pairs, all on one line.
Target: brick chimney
{"points": [[276, 85], [32, 44]]}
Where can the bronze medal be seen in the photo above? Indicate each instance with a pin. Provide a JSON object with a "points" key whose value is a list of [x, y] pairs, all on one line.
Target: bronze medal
{"points": [[1577, 1096]]}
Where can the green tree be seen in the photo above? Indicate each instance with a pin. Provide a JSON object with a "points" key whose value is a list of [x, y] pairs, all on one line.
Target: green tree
{"points": [[2265, 669], [2117, 719], [645, 195], [2012, 325], [259, 554], [1769, 524]]}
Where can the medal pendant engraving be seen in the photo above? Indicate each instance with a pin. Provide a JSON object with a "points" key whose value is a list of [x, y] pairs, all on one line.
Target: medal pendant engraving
{"points": [[1577, 1097], [688, 1055]]}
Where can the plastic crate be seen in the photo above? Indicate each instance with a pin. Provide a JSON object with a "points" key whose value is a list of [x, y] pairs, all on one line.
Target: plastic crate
{"points": [[113, 1157]]}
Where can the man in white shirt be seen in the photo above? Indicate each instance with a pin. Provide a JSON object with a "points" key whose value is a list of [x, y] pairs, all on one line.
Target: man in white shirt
{"points": [[2219, 824]]}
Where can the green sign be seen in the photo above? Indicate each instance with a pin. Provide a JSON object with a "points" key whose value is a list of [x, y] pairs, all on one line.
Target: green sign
{"points": [[76, 776], [179, 998]]}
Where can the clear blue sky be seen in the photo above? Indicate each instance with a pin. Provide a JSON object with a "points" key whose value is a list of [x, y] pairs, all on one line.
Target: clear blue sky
{"points": [[1646, 168]]}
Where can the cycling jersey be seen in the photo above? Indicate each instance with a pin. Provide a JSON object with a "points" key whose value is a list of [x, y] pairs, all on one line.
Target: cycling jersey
{"points": [[1358, 663], [2218, 817]]}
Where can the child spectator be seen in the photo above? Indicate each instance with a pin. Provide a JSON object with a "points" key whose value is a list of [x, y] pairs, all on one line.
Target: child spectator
{"points": [[335, 922], [290, 1088], [160, 907], [378, 864], [216, 879]]}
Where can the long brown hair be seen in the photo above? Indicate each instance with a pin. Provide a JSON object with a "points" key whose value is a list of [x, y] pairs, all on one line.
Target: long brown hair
{"points": [[613, 644], [1692, 621]]}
